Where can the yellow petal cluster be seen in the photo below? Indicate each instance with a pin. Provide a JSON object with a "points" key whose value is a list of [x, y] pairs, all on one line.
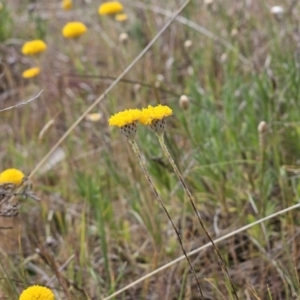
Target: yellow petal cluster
{"points": [[32, 72], [154, 113], [73, 30], [37, 292], [13, 176], [121, 17], [67, 4], [94, 117], [110, 8], [34, 47], [125, 117]]}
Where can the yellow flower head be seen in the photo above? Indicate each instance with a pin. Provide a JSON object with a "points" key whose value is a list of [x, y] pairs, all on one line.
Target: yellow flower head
{"points": [[37, 292], [32, 72], [125, 117], [13, 176], [34, 47], [151, 113], [121, 17], [94, 117], [73, 30], [110, 8], [67, 4]]}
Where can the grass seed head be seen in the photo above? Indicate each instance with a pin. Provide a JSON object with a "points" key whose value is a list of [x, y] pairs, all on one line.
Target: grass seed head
{"points": [[262, 130], [262, 127], [184, 102], [123, 38], [188, 44], [277, 10]]}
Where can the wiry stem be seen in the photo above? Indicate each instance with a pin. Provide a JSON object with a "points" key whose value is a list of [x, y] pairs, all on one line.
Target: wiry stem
{"points": [[169, 157], [136, 150]]}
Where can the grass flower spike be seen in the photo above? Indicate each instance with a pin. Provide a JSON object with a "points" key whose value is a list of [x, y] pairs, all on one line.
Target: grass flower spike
{"points": [[110, 8], [12, 176], [34, 47], [37, 292], [67, 4], [73, 30], [155, 117], [32, 72], [126, 120]]}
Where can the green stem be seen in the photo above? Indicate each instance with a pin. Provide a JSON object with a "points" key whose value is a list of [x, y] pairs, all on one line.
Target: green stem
{"points": [[136, 150], [221, 260]]}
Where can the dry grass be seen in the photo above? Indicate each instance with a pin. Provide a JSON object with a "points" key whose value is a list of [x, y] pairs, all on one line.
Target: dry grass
{"points": [[97, 227]]}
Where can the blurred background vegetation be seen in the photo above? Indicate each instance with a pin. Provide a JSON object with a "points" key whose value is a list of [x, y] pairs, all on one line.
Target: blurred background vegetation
{"points": [[97, 226]]}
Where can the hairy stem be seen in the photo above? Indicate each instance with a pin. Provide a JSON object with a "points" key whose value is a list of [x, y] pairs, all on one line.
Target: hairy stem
{"points": [[191, 199], [136, 150]]}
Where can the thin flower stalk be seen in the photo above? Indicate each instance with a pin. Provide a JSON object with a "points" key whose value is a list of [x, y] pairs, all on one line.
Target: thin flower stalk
{"points": [[136, 150], [190, 197], [155, 117]]}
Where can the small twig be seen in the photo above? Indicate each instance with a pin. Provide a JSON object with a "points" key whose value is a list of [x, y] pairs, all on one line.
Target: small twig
{"points": [[3, 72], [125, 80], [22, 103], [61, 268]]}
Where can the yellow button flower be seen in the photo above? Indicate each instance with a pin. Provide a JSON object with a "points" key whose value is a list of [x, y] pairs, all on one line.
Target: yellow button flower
{"points": [[121, 17], [126, 121], [67, 4], [73, 30], [37, 292], [151, 113], [94, 117], [34, 47], [125, 117], [32, 72], [13, 176], [110, 8]]}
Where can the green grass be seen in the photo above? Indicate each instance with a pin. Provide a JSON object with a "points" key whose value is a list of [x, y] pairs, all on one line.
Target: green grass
{"points": [[96, 203]]}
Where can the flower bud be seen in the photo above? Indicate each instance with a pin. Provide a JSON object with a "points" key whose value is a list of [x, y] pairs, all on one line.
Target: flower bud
{"points": [[188, 44], [123, 38], [184, 102], [262, 130]]}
